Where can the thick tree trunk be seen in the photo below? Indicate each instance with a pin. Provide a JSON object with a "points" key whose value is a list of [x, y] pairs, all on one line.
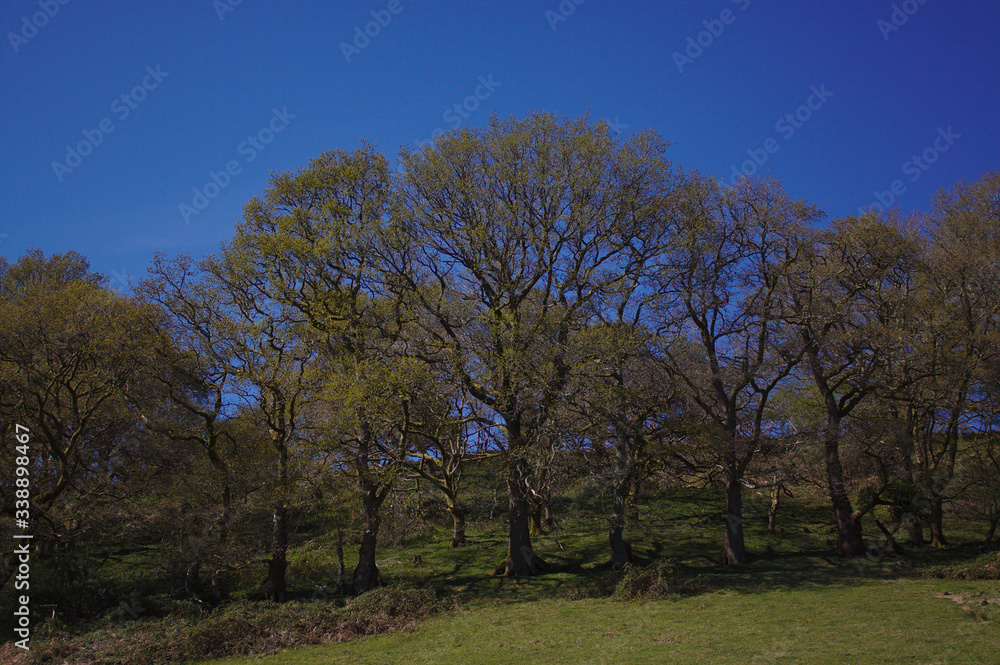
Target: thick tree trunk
{"points": [[733, 544], [366, 574], [621, 551], [937, 523], [850, 541], [521, 560], [220, 531]]}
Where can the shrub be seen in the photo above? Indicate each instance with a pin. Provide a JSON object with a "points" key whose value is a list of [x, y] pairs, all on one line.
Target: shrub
{"points": [[241, 629], [657, 580], [394, 601]]}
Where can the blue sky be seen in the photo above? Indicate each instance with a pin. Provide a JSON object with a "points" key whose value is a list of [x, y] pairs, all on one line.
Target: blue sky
{"points": [[835, 99]]}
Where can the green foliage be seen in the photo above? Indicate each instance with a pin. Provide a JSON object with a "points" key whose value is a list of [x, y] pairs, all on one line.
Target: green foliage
{"points": [[656, 581], [563, 321]]}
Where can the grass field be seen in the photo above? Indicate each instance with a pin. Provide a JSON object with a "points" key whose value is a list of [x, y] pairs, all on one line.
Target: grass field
{"points": [[793, 601], [871, 621]]}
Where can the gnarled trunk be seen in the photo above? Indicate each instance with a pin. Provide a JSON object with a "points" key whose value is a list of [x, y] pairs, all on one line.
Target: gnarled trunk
{"points": [[458, 522], [366, 574], [849, 536], [621, 551], [521, 560]]}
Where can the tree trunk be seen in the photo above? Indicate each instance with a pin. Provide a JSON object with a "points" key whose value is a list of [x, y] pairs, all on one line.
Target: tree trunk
{"points": [[989, 534], [916, 531], [850, 541], [536, 518], [366, 574], [772, 513], [632, 500], [218, 594], [905, 434], [621, 551], [341, 570], [548, 520], [276, 568], [279, 547], [521, 560], [889, 540], [937, 523], [733, 544], [458, 523]]}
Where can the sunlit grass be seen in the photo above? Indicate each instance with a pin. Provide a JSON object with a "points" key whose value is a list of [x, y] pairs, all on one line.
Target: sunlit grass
{"points": [[870, 621]]}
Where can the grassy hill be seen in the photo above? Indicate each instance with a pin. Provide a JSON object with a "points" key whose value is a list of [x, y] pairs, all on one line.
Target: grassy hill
{"points": [[792, 602]]}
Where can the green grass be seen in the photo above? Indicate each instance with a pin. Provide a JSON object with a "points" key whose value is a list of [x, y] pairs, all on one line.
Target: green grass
{"points": [[793, 601], [871, 621]]}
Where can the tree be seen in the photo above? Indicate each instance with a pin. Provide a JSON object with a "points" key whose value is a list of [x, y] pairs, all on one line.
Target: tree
{"points": [[442, 434], [623, 400], [70, 349], [518, 234], [318, 246], [720, 315], [846, 298], [197, 386], [960, 273]]}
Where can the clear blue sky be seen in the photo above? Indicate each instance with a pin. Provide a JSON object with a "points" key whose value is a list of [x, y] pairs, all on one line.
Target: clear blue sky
{"points": [[197, 87]]}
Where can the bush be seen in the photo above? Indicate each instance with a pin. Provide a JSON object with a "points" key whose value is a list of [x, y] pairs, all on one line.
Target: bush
{"points": [[655, 581], [241, 629], [985, 567], [394, 601]]}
